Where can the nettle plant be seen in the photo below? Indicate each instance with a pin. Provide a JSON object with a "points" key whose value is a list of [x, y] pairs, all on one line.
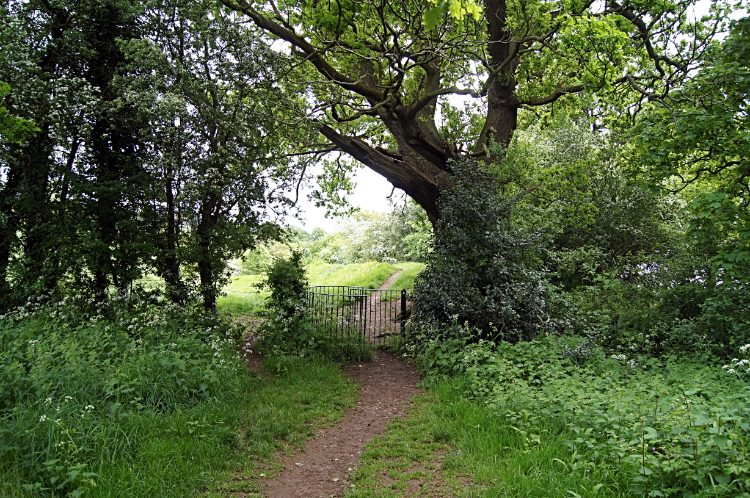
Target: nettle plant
{"points": [[669, 426]]}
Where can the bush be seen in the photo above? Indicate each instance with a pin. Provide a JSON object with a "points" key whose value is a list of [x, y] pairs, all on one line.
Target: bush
{"points": [[288, 327], [675, 427], [287, 280], [477, 272]]}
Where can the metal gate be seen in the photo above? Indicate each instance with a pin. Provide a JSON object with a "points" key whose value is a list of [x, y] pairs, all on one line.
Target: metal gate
{"points": [[371, 314]]}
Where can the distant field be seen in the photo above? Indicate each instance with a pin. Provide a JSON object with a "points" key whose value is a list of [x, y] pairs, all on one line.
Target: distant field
{"points": [[243, 298], [369, 275]]}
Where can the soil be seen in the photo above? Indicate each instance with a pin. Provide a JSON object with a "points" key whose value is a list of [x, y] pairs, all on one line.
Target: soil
{"points": [[322, 469]]}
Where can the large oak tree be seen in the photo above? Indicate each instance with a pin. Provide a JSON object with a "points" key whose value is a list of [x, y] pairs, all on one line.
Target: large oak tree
{"points": [[379, 75]]}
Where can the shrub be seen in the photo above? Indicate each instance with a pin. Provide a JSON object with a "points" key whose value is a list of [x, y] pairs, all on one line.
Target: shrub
{"points": [[477, 272], [675, 427], [288, 327], [287, 280]]}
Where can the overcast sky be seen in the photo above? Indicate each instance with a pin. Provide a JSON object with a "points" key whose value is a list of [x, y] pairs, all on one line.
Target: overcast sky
{"points": [[370, 194]]}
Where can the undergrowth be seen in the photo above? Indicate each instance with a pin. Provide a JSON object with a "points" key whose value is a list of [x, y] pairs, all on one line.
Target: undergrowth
{"points": [[646, 426], [137, 400]]}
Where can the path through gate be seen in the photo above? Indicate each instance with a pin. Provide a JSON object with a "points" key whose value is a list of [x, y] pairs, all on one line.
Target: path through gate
{"points": [[372, 314]]}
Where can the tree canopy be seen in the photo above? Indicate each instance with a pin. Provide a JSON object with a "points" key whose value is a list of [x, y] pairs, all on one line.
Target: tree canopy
{"points": [[381, 71], [162, 145], [697, 141]]}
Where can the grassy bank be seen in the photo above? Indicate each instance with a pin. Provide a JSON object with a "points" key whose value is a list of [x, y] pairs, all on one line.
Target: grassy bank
{"points": [[148, 403]]}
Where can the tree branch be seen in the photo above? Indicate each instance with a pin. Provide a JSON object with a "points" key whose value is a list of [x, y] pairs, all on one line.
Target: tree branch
{"points": [[310, 52], [643, 32], [548, 99]]}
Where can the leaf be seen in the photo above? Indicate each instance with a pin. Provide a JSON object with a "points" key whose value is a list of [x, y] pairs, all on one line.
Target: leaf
{"points": [[432, 18], [721, 441]]}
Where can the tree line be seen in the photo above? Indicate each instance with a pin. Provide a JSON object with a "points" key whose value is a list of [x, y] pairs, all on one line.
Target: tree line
{"points": [[162, 143], [167, 136]]}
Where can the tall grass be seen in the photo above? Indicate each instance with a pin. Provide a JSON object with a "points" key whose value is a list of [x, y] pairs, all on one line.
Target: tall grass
{"points": [[146, 402], [243, 297]]}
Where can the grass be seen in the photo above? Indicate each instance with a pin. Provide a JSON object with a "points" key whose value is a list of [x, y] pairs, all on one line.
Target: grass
{"points": [[299, 395], [452, 446], [369, 275], [242, 297], [409, 273], [146, 404], [411, 458]]}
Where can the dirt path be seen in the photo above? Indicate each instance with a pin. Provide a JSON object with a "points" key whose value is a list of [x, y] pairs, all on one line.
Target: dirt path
{"points": [[387, 385], [322, 469], [390, 280]]}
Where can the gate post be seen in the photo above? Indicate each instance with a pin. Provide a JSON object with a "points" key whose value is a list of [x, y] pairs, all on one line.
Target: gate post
{"points": [[403, 310]]}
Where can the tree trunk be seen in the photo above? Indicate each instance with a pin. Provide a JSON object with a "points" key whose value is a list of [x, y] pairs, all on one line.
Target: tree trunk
{"points": [[420, 166], [502, 104], [407, 170], [205, 266], [176, 290]]}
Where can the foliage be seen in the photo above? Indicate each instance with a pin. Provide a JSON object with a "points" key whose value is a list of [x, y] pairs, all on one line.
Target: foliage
{"points": [[287, 280], [256, 261], [12, 129], [696, 141], [574, 191], [72, 382], [162, 147], [70, 192], [404, 234], [289, 327], [224, 171], [477, 272], [381, 71], [676, 427]]}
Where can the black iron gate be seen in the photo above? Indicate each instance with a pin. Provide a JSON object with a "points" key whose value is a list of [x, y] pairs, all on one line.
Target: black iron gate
{"points": [[368, 313]]}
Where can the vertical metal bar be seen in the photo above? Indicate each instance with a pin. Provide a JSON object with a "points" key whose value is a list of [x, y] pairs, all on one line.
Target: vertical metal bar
{"points": [[403, 310]]}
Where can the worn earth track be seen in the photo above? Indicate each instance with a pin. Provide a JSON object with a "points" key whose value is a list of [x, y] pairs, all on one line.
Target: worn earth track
{"points": [[322, 469]]}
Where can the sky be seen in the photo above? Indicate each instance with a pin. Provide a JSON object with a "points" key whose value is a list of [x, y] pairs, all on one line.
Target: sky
{"points": [[370, 194]]}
